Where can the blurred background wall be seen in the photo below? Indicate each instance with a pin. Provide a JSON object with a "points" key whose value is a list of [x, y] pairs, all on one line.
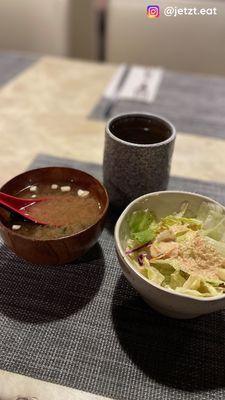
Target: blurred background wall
{"points": [[187, 43], [59, 27], [117, 31]]}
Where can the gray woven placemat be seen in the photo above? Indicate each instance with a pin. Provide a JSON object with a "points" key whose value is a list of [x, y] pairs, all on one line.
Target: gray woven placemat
{"points": [[193, 103], [13, 63], [82, 325]]}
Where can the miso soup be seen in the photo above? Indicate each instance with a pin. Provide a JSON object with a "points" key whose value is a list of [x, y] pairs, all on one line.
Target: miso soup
{"points": [[68, 209]]}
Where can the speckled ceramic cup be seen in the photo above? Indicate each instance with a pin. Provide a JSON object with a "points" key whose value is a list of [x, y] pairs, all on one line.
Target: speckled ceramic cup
{"points": [[137, 156]]}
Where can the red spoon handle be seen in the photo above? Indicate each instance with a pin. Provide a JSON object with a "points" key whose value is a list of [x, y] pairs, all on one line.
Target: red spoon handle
{"points": [[17, 202], [19, 205]]}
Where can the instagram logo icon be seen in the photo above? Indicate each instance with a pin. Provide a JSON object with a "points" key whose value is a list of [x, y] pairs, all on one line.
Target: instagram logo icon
{"points": [[153, 11]]}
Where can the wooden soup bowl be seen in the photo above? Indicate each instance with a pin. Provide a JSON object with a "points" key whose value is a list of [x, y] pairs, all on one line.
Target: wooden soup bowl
{"points": [[61, 250]]}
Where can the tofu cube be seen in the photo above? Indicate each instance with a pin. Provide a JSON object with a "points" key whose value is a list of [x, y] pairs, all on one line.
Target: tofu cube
{"points": [[16, 227], [65, 188], [33, 188], [83, 193], [54, 186]]}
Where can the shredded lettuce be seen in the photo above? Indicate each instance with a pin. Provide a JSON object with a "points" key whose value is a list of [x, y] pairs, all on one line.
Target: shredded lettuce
{"points": [[198, 287], [219, 246], [183, 210], [210, 214], [221, 274], [217, 232], [162, 243], [176, 280], [166, 267], [154, 275], [141, 220], [174, 220], [144, 236], [142, 226]]}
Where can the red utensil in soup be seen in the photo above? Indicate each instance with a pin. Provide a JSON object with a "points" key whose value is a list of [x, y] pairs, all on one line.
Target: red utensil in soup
{"points": [[21, 206]]}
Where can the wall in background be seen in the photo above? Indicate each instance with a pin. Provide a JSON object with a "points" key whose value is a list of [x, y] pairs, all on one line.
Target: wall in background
{"points": [[59, 27], [184, 43]]}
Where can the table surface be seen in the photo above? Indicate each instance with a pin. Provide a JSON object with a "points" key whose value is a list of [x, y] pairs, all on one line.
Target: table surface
{"points": [[45, 110]]}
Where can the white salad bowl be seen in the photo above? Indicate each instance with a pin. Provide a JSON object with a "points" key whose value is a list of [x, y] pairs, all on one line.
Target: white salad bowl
{"points": [[166, 301]]}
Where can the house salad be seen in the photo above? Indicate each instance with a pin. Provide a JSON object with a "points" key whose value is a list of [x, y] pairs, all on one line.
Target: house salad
{"points": [[182, 251]]}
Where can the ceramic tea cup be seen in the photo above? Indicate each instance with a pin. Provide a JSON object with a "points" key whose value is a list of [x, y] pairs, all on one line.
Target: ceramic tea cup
{"points": [[137, 156]]}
